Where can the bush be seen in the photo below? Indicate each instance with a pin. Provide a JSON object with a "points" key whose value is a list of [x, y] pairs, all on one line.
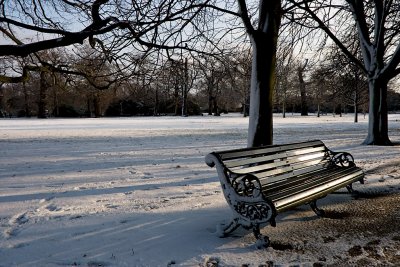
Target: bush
{"points": [[67, 112]]}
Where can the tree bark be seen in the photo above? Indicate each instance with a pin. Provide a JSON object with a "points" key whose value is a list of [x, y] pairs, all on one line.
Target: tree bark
{"points": [[96, 105], [302, 85], [42, 103], [378, 114], [263, 75], [210, 103], [26, 101], [355, 105]]}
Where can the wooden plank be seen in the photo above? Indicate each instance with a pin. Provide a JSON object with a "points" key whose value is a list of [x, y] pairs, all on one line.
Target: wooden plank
{"points": [[247, 152], [270, 183], [266, 180], [310, 183], [262, 158], [316, 192], [293, 161], [289, 169]]}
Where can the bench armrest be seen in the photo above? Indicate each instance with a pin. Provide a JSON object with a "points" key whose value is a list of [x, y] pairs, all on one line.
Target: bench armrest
{"points": [[342, 159], [211, 159]]}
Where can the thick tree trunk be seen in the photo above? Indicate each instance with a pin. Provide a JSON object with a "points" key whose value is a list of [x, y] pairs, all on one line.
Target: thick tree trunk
{"points": [[264, 42], [378, 114], [261, 91]]}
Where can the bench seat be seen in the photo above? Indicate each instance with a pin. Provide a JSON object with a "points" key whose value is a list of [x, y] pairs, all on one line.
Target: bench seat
{"points": [[259, 183]]}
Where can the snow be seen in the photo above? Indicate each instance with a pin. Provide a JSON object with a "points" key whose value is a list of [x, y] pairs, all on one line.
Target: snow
{"points": [[136, 192]]}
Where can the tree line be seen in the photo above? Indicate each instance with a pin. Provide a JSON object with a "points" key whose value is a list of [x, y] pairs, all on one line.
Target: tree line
{"points": [[189, 34], [185, 86]]}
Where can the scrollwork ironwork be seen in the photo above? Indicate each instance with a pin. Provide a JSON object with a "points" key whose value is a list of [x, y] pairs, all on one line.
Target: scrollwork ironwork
{"points": [[259, 212], [342, 159], [248, 186]]}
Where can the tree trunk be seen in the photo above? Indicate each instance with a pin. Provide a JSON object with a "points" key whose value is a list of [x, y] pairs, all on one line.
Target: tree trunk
{"points": [[185, 89], [263, 74], [215, 107], [210, 103], [261, 90], [378, 114], [42, 103], [96, 105], [355, 106], [184, 101], [26, 100], [302, 84], [156, 103], [176, 99]]}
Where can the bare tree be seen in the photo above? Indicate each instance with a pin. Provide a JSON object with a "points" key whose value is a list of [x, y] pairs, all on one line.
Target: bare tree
{"points": [[378, 34], [301, 68], [123, 30], [263, 33]]}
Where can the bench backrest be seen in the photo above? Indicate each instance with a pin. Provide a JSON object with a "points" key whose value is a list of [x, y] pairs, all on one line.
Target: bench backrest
{"points": [[274, 163]]}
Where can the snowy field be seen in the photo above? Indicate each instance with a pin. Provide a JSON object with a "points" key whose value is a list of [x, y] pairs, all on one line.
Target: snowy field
{"points": [[136, 192]]}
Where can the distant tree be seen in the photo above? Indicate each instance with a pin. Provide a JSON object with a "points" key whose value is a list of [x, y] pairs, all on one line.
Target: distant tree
{"points": [[301, 68], [284, 70], [320, 81], [239, 69], [212, 74]]}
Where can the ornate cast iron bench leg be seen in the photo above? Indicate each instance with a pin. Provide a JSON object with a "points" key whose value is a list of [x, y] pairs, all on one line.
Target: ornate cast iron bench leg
{"points": [[224, 230], [262, 241], [353, 192], [318, 211]]}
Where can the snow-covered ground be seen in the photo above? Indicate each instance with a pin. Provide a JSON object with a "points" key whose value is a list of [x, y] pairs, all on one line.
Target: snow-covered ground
{"points": [[136, 192]]}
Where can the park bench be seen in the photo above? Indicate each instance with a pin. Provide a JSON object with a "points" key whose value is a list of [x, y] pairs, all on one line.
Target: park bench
{"points": [[258, 183]]}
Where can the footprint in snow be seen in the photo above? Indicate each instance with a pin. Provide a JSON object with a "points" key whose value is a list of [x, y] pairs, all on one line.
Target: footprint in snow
{"points": [[19, 219], [147, 175], [110, 206], [46, 199], [52, 208], [15, 222]]}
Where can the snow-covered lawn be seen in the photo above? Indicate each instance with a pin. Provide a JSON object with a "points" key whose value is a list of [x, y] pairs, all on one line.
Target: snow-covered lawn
{"points": [[136, 192]]}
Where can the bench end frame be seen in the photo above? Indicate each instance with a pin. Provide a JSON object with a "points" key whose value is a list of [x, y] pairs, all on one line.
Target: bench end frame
{"points": [[243, 194]]}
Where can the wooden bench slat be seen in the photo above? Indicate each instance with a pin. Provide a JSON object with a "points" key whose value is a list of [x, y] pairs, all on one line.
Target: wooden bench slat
{"points": [[283, 177], [291, 168], [316, 192], [246, 152], [253, 160], [308, 182], [288, 161], [272, 184]]}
